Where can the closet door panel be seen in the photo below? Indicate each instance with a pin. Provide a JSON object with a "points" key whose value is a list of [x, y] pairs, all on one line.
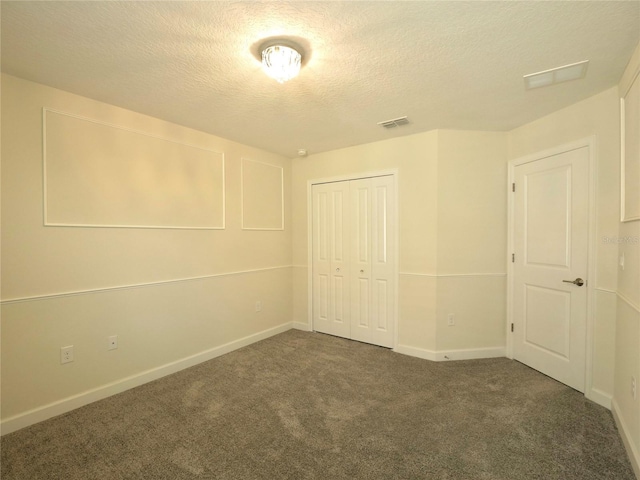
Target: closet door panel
{"points": [[361, 260], [382, 261], [321, 260], [330, 233]]}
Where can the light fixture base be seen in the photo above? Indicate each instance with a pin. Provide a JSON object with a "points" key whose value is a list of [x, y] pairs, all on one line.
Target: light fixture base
{"points": [[281, 62], [282, 57]]}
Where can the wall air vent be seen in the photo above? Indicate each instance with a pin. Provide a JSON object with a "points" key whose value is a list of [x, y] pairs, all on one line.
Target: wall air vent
{"points": [[395, 122]]}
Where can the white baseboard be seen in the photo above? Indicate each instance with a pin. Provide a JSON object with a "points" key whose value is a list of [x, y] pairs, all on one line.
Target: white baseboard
{"points": [[65, 405], [416, 352], [447, 355], [471, 354], [304, 326], [632, 450], [598, 396]]}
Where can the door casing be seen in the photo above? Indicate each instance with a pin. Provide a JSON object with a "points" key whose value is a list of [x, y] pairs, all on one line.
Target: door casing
{"points": [[356, 176], [589, 142]]}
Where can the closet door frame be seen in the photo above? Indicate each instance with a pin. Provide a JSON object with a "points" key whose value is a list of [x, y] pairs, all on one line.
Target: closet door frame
{"points": [[393, 173]]}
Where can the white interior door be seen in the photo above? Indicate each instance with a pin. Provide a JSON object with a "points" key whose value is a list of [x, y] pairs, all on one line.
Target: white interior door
{"points": [[551, 251], [353, 259], [330, 246]]}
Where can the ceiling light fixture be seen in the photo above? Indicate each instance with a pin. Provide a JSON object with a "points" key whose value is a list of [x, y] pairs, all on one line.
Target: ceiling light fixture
{"points": [[565, 73], [281, 61]]}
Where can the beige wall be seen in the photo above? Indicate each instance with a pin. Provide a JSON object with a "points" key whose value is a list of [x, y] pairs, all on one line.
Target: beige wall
{"points": [[627, 340], [157, 323], [452, 231], [472, 192], [472, 233]]}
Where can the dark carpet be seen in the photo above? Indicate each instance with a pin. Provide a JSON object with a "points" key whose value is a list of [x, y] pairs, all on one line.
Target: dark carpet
{"points": [[309, 406]]}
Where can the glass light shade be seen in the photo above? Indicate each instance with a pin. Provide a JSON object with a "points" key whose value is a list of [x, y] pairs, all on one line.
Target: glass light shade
{"points": [[281, 62]]}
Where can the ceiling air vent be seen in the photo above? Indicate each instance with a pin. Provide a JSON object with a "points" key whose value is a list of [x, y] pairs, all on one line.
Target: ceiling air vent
{"points": [[573, 71], [395, 122]]}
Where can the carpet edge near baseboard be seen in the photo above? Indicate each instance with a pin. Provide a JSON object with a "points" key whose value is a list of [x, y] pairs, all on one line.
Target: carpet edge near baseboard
{"points": [[73, 402], [623, 429], [447, 355]]}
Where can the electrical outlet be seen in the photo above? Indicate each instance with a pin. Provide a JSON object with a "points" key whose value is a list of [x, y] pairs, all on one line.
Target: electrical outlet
{"points": [[66, 354], [633, 387], [113, 342], [258, 306], [451, 319]]}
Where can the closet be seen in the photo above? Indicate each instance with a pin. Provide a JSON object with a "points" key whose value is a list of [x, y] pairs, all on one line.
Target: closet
{"points": [[353, 259]]}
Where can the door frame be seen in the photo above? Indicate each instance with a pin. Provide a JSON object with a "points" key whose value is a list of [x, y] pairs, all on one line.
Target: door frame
{"points": [[393, 173], [591, 143]]}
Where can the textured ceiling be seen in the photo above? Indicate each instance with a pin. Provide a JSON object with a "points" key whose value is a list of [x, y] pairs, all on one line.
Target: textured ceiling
{"points": [[444, 64]]}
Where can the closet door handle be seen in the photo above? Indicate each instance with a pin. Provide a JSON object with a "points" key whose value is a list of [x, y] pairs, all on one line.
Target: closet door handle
{"points": [[338, 269]]}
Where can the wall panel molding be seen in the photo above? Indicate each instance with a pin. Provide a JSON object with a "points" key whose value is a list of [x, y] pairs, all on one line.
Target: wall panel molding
{"points": [[97, 174], [432, 275], [628, 301], [136, 285], [605, 290], [452, 275], [630, 151]]}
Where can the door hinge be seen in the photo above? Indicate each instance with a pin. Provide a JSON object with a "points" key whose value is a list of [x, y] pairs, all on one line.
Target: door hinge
{"points": [[513, 187], [513, 258], [512, 327]]}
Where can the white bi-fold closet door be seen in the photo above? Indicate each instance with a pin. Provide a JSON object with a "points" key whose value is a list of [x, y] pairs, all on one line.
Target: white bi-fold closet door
{"points": [[353, 259]]}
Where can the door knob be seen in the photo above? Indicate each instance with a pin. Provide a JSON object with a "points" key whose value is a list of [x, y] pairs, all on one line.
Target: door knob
{"points": [[578, 281], [337, 269], [361, 271]]}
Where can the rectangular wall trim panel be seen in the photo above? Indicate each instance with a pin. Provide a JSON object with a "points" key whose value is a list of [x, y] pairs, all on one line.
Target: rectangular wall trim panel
{"points": [[101, 175], [630, 152], [262, 196]]}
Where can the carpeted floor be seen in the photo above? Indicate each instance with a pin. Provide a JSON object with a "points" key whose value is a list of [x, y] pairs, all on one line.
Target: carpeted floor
{"points": [[309, 406]]}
